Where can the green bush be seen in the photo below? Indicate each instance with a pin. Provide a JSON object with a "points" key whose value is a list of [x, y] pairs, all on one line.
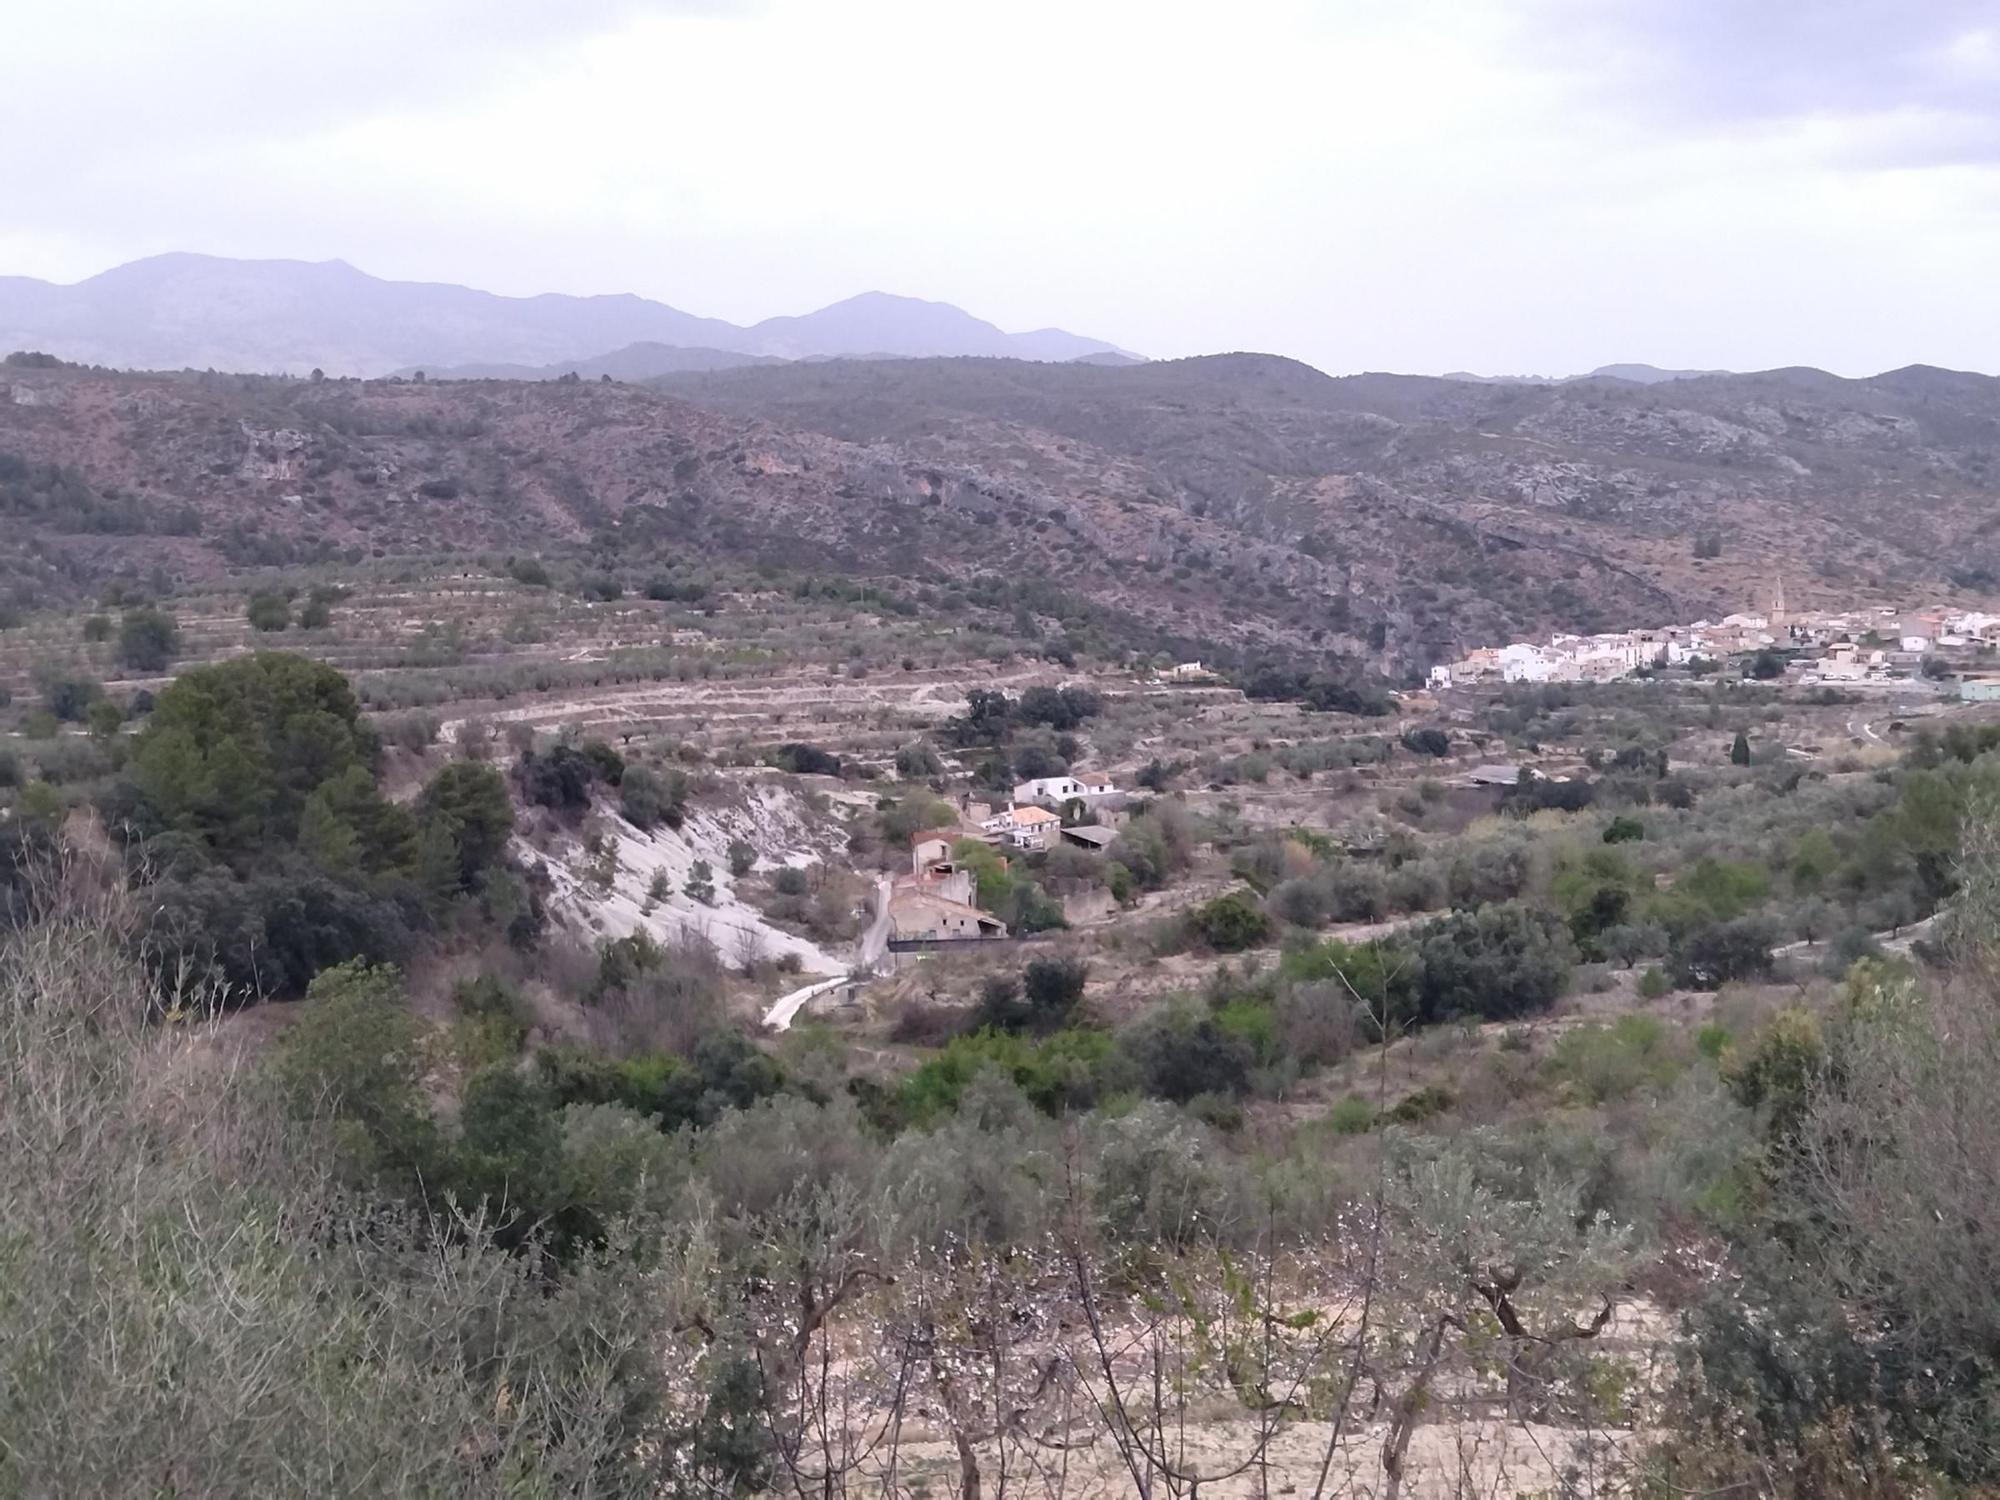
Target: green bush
{"points": [[1180, 1053], [1426, 1103], [1715, 955], [1230, 922], [148, 640], [1432, 742], [353, 1052], [495, 1019], [1065, 1072], [1351, 1115], [67, 695], [1612, 1062], [649, 798], [560, 779], [1497, 963], [268, 613]]}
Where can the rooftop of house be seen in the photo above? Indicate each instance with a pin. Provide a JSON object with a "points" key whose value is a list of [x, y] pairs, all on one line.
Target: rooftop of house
{"points": [[1091, 833], [1033, 815], [917, 902]]}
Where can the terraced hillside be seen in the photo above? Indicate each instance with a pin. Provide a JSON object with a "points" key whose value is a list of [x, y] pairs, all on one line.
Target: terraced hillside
{"points": [[1225, 506]]}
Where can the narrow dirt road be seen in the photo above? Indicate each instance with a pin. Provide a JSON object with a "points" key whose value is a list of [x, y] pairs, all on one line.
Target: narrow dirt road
{"points": [[779, 1016], [868, 952], [875, 941]]}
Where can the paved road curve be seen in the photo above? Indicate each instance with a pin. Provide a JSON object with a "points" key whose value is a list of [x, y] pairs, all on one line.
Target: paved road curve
{"points": [[868, 952]]}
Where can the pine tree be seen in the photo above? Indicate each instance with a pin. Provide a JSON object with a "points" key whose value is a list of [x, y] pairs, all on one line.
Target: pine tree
{"points": [[1739, 753]]}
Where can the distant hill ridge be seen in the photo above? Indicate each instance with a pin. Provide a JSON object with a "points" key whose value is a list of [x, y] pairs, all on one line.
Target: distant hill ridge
{"points": [[183, 310], [1232, 500]]}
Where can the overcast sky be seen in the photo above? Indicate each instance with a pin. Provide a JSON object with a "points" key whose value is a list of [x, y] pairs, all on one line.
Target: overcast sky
{"points": [[1516, 186]]}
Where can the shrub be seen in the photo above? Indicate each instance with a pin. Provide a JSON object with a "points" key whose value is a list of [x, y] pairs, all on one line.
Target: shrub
{"points": [[1624, 830], [268, 612], [1628, 942], [105, 718], [1230, 922], [1181, 1054], [67, 695], [804, 760], [647, 798], [1849, 947], [352, 1052], [97, 628], [742, 858], [1714, 955], [1612, 1062], [1434, 742], [1351, 1115], [1776, 1073], [1654, 983], [1426, 1103], [561, 779], [497, 1013], [530, 571], [1044, 1000], [148, 640], [1497, 963], [1067, 1071]]}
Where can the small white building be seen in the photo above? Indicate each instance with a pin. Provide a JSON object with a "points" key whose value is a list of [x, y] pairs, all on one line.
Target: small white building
{"points": [[1034, 828], [1054, 791], [1525, 662]]}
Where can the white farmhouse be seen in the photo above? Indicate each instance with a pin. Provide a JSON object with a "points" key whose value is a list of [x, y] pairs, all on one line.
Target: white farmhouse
{"points": [[1054, 791]]}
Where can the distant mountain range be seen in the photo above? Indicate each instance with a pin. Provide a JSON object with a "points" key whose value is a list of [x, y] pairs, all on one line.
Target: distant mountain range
{"points": [[1637, 374], [284, 316]]}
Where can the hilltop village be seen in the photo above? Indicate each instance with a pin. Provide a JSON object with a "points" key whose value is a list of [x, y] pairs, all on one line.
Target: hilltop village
{"points": [[1850, 647]]}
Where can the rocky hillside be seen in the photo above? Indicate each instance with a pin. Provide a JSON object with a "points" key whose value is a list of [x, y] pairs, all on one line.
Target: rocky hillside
{"points": [[1239, 501], [1428, 493]]}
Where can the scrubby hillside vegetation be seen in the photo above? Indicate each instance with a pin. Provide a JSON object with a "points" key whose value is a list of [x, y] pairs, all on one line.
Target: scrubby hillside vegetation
{"points": [[1616, 1132], [454, 1043]]}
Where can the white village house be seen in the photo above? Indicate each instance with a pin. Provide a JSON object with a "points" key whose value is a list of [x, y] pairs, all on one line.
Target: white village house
{"points": [[1026, 827], [1054, 791]]}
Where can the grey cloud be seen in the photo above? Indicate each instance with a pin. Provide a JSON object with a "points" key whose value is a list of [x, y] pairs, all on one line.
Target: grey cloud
{"points": [[1720, 64], [90, 77]]}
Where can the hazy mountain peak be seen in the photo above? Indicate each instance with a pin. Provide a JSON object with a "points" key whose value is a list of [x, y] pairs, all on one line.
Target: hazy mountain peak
{"points": [[184, 308]]}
